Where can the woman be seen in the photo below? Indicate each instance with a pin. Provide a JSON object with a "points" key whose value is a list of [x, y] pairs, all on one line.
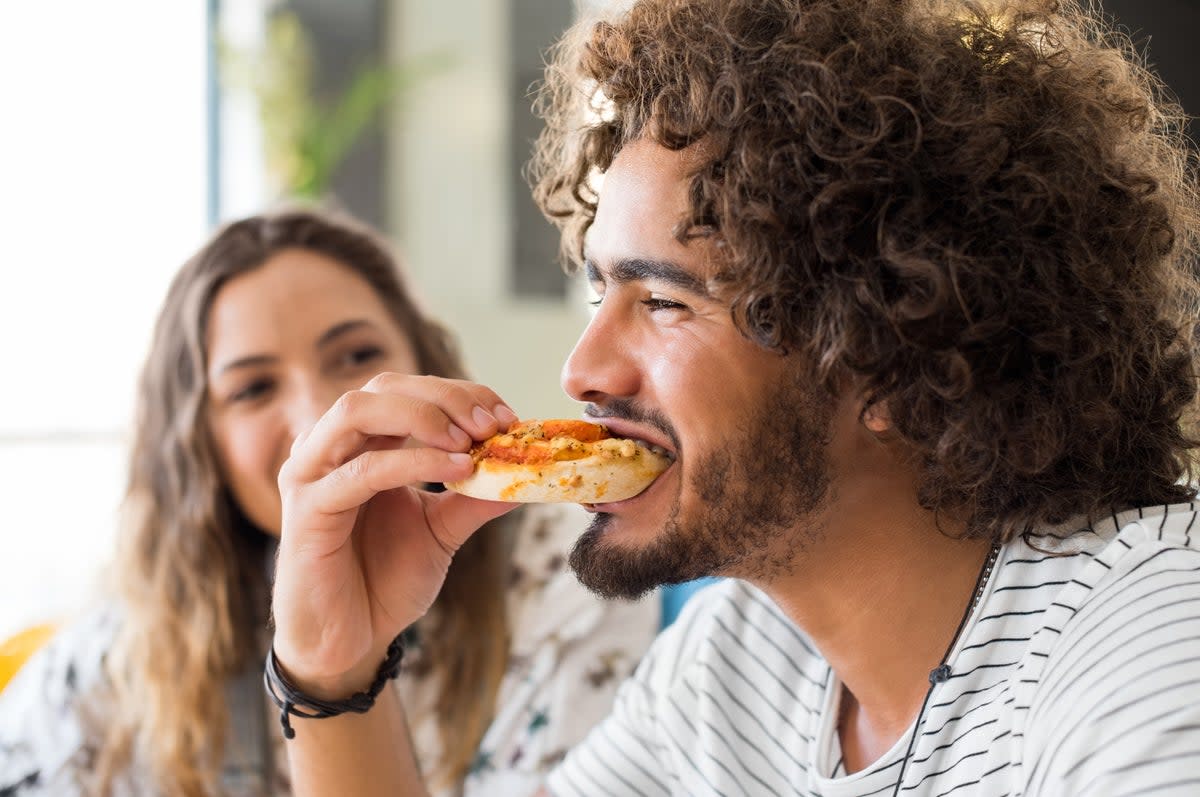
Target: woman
{"points": [[160, 691]]}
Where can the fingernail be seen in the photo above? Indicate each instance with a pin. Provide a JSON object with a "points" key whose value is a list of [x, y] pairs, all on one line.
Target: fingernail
{"points": [[459, 458], [481, 417], [459, 436], [504, 415]]}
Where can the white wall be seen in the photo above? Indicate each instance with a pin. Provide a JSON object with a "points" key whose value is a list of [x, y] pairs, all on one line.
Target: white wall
{"points": [[102, 152], [449, 209]]}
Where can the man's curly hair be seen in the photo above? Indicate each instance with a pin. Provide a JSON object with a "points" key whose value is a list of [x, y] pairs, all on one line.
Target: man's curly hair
{"points": [[982, 214]]}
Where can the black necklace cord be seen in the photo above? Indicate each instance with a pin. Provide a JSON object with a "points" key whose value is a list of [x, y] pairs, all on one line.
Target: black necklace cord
{"points": [[941, 673]]}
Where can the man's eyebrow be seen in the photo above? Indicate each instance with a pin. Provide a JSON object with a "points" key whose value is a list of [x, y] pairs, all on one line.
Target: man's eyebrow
{"points": [[636, 269]]}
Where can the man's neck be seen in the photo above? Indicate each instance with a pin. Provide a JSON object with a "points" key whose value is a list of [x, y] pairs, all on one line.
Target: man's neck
{"points": [[881, 596]]}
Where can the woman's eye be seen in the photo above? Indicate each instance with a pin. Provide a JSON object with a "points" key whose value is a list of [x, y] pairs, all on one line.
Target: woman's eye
{"points": [[362, 355], [256, 389]]}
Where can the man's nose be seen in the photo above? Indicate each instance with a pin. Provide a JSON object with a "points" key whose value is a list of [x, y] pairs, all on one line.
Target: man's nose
{"points": [[603, 362]]}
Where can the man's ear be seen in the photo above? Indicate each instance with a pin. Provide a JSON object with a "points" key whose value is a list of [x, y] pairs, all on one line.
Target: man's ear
{"points": [[875, 415]]}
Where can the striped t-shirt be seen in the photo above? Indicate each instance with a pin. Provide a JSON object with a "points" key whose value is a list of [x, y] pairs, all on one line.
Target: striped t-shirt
{"points": [[1076, 674]]}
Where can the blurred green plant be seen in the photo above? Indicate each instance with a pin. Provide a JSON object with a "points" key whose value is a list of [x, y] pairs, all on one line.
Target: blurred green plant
{"points": [[305, 136]]}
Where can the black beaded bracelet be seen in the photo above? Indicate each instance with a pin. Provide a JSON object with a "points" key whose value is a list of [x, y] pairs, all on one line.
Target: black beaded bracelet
{"points": [[291, 701]]}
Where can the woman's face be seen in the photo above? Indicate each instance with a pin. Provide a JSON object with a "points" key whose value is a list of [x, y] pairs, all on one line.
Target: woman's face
{"points": [[284, 342]]}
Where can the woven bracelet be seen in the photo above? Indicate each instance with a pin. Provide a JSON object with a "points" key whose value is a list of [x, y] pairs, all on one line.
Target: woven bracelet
{"points": [[291, 701]]}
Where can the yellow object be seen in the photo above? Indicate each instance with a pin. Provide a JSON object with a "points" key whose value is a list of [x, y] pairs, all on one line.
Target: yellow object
{"points": [[15, 650]]}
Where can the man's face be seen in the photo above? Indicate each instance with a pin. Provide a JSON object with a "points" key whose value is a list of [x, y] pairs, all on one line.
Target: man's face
{"points": [[662, 361]]}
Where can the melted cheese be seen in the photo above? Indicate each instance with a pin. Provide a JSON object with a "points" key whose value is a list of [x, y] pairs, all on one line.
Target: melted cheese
{"points": [[536, 442]]}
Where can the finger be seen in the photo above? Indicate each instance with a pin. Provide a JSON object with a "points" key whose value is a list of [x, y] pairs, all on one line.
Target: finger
{"points": [[342, 432], [299, 441], [372, 472], [474, 407]]}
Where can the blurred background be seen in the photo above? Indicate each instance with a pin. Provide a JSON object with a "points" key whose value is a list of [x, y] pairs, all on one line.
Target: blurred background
{"points": [[132, 127]]}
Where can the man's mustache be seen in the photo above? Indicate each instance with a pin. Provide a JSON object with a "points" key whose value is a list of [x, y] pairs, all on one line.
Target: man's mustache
{"points": [[628, 410]]}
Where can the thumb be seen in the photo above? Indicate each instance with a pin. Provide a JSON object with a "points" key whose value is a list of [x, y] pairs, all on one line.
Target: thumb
{"points": [[454, 517]]}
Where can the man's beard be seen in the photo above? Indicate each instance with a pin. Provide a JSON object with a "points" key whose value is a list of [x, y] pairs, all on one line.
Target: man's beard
{"points": [[768, 480]]}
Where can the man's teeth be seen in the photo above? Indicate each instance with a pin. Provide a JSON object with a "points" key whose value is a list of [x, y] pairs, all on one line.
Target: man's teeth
{"points": [[662, 452]]}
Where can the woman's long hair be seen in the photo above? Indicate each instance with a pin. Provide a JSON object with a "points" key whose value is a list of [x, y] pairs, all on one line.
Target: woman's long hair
{"points": [[192, 572]]}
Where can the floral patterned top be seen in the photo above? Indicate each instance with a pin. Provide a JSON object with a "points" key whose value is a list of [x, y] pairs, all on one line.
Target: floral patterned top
{"points": [[569, 652]]}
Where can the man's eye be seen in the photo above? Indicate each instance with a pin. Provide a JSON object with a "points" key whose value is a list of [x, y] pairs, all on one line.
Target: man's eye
{"points": [[658, 303]]}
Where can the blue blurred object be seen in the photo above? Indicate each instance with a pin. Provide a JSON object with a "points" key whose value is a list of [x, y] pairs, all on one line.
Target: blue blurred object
{"points": [[675, 595]]}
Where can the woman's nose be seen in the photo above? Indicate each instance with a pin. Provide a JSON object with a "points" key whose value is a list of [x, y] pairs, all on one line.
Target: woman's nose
{"points": [[307, 402]]}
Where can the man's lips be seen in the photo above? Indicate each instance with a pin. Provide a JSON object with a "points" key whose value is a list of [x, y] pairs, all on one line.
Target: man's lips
{"points": [[651, 437], [633, 431]]}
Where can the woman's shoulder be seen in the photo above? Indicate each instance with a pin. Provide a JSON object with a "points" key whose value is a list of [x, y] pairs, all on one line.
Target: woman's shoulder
{"points": [[570, 650], [546, 600], [543, 537], [69, 664], [41, 726]]}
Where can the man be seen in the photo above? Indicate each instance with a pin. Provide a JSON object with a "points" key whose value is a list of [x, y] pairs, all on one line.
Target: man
{"points": [[907, 289]]}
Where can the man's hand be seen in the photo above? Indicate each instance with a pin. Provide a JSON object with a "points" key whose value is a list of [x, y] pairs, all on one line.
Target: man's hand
{"points": [[364, 551]]}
